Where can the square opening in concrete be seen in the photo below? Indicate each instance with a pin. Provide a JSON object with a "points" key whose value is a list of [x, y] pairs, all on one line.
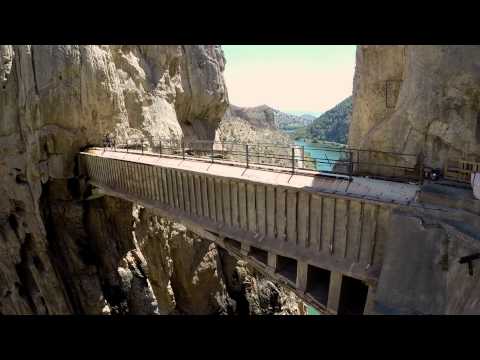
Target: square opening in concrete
{"points": [[318, 283], [259, 254], [353, 296], [287, 267], [232, 243]]}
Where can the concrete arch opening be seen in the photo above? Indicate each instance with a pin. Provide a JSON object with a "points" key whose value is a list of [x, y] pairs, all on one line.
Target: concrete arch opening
{"points": [[318, 284], [353, 296], [287, 268]]}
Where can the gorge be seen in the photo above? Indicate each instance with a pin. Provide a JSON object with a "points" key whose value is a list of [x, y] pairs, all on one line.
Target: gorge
{"points": [[67, 251]]}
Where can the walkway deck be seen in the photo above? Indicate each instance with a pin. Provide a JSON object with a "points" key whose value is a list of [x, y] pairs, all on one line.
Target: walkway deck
{"points": [[355, 187]]}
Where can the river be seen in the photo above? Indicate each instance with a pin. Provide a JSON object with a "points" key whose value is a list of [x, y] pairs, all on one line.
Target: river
{"points": [[312, 311], [322, 154]]}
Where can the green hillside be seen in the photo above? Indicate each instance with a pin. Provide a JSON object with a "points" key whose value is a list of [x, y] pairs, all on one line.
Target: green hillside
{"points": [[331, 126]]}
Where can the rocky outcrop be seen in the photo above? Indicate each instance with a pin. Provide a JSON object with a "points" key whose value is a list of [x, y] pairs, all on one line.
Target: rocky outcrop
{"points": [[252, 125], [424, 100], [417, 99], [254, 294], [185, 270], [60, 254]]}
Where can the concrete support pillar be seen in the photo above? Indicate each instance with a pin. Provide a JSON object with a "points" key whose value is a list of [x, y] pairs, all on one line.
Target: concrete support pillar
{"points": [[370, 303], [272, 262], [302, 270], [220, 240], [245, 249], [334, 291]]}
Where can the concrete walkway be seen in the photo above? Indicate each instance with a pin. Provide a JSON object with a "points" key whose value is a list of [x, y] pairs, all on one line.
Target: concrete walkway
{"points": [[357, 187]]}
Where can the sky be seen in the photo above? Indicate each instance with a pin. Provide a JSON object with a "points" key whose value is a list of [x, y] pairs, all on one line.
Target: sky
{"points": [[291, 78]]}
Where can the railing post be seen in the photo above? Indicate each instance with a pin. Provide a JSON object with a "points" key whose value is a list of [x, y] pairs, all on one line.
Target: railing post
{"points": [[303, 156], [246, 153], [293, 159], [421, 167], [127, 145], [160, 147], [183, 150], [350, 164], [213, 144], [143, 140], [358, 162]]}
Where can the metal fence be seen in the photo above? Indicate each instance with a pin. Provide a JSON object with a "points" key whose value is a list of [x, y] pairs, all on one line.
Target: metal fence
{"points": [[345, 161], [460, 170]]}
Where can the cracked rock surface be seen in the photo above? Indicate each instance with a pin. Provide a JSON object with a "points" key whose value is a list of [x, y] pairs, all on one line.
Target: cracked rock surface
{"points": [[417, 98], [61, 254]]}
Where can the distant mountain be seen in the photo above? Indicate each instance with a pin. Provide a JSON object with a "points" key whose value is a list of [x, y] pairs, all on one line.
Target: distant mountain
{"points": [[308, 117], [315, 114], [261, 116], [264, 116], [287, 121], [252, 124], [331, 126]]}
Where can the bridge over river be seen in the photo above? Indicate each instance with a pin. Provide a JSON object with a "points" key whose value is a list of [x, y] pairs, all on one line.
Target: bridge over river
{"points": [[322, 236]]}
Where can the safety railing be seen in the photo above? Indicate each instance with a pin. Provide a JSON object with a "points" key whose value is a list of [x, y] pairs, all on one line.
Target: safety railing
{"points": [[317, 159], [460, 170]]}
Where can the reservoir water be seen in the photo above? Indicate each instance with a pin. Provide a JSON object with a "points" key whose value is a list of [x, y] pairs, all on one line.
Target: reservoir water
{"points": [[312, 311], [325, 155]]}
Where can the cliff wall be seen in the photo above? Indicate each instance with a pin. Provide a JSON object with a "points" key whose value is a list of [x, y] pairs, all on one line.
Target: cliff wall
{"points": [[417, 99], [62, 254]]}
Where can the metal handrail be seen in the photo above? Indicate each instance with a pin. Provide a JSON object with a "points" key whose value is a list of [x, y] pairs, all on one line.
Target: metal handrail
{"points": [[293, 157]]}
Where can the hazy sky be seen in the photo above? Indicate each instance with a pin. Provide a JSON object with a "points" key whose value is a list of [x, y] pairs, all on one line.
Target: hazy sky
{"points": [[305, 78]]}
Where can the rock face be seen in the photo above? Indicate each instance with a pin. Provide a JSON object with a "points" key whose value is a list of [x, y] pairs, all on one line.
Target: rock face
{"points": [[59, 254], [424, 100], [418, 99], [255, 295], [184, 269], [62, 254]]}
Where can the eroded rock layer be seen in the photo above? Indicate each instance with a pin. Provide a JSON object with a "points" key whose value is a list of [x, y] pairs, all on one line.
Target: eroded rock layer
{"points": [[418, 99]]}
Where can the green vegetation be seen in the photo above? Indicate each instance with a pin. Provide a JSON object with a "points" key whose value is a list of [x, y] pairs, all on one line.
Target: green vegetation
{"points": [[331, 126], [312, 311], [292, 127]]}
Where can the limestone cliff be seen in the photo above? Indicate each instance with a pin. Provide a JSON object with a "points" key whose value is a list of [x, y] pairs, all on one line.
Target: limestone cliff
{"points": [[418, 99], [61, 254], [424, 100]]}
